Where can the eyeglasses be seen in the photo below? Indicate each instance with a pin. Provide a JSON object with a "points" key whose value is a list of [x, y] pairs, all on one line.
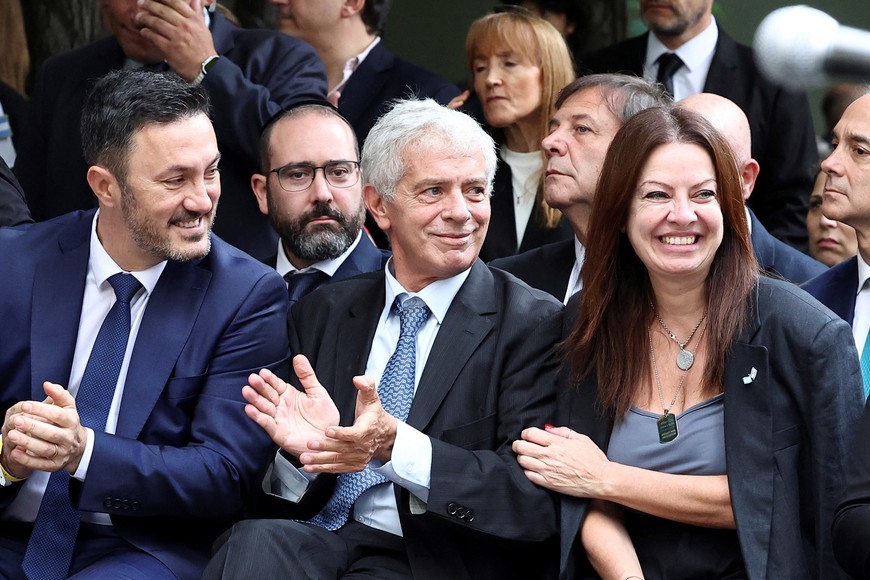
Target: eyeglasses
{"points": [[299, 176]]}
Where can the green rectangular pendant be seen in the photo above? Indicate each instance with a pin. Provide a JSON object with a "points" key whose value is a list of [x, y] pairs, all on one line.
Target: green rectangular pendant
{"points": [[667, 425]]}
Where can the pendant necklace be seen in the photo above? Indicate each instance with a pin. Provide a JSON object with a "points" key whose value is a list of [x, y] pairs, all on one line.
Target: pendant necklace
{"points": [[685, 358], [667, 423]]}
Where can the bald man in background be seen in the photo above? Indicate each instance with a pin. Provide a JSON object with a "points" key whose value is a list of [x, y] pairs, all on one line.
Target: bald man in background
{"points": [[774, 257]]}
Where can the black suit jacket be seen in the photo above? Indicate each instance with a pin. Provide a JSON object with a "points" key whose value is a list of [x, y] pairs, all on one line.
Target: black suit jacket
{"points": [[13, 206], [260, 73], [837, 288], [779, 259], [786, 434], [364, 258], [546, 268], [501, 237], [489, 375], [783, 138], [381, 79]]}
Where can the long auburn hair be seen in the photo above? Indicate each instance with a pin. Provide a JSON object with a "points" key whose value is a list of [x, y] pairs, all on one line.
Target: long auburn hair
{"points": [[615, 306], [536, 40], [14, 54]]}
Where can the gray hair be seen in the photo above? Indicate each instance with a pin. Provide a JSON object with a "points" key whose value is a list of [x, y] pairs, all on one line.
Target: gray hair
{"points": [[624, 95], [413, 126]]}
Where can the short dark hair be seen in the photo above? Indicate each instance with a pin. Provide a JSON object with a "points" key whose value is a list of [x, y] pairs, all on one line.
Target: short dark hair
{"points": [[374, 15], [324, 109], [123, 102]]}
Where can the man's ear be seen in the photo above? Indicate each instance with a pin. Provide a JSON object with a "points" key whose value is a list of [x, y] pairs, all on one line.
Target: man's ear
{"points": [[104, 186], [749, 174], [377, 207], [351, 7], [260, 186]]}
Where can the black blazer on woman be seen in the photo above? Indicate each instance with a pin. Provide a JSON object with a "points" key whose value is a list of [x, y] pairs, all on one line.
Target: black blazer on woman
{"points": [[787, 428]]}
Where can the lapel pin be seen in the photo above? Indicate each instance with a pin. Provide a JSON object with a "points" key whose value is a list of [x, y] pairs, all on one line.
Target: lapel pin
{"points": [[751, 376]]}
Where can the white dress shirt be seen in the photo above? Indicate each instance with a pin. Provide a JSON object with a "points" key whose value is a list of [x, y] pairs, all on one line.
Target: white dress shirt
{"points": [[98, 300], [696, 54], [411, 461], [575, 282], [526, 171], [861, 320], [350, 67]]}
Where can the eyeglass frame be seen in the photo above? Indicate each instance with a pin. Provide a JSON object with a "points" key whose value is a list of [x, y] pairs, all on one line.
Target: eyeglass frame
{"points": [[314, 169]]}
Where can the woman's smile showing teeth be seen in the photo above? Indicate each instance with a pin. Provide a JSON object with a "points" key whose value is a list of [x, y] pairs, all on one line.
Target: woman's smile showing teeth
{"points": [[678, 240]]}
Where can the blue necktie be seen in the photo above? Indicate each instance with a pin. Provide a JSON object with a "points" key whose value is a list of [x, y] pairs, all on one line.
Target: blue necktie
{"points": [[301, 283], [669, 63], [865, 366], [396, 392], [49, 551]]}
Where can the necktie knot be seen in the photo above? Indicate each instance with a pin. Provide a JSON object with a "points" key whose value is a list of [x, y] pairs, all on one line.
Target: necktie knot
{"points": [[413, 312], [125, 286]]}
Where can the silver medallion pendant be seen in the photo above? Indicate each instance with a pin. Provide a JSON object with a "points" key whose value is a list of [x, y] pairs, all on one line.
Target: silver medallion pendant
{"points": [[685, 360]]}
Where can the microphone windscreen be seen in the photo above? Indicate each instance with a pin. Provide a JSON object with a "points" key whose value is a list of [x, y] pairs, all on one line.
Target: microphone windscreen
{"points": [[791, 44]]}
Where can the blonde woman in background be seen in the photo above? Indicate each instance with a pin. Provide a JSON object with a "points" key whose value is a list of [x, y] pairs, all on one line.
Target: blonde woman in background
{"points": [[518, 64]]}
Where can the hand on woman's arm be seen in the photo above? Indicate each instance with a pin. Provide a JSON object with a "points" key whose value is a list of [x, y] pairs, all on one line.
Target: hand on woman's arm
{"points": [[567, 462], [607, 544]]}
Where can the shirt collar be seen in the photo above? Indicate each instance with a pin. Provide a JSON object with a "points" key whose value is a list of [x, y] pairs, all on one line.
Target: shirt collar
{"points": [[695, 53], [352, 64], [438, 295], [863, 273], [328, 267], [103, 266]]}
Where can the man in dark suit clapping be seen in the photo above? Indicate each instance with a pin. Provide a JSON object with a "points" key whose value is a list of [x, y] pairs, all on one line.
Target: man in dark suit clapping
{"points": [[419, 379]]}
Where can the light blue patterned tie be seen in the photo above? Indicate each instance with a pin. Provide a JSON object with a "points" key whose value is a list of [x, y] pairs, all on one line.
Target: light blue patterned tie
{"points": [[865, 366], [396, 392], [50, 549]]}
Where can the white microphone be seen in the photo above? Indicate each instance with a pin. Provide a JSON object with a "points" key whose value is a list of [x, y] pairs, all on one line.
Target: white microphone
{"points": [[800, 47]]}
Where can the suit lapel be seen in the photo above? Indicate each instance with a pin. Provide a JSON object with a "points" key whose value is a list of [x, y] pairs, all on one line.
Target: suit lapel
{"points": [[465, 326], [364, 258], [360, 325], [722, 76], [748, 450], [58, 291], [169, 317], [365, 83]]}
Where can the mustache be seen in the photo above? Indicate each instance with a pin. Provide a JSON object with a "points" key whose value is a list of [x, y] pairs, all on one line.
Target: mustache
{"points": [[323, 209]]}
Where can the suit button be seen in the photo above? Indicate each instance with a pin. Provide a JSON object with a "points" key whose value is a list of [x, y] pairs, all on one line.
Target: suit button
{"points": [[451, 508], [116, 504], [469, 516], [135, 505], [107, 503], [460, 513], [125, 505]]}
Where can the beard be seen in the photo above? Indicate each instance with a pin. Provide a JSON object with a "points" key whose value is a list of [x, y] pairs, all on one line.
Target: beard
{"points": [[153, 237], [678, 24], [320, 242]]}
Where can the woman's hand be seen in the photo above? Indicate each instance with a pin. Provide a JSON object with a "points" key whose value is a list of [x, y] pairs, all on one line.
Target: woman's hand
{"points": [[562, 460], [459, 100]]}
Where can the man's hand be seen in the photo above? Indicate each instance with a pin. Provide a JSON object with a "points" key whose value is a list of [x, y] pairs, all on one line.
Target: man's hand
{"points": [[347, 449], [178, 30], [293, 419], [46, 436]]}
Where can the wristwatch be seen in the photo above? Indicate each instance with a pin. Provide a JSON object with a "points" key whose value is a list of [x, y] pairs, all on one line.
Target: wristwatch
{"points": [[205, 67]]}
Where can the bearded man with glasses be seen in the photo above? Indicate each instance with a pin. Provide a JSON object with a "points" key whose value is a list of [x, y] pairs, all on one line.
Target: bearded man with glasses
{"points": [[311, 190]]}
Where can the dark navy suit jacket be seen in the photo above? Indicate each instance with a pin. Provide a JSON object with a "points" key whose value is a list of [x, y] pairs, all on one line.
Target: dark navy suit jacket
{"points": [[779, 259], [783, 138], [837, 288], [259, 73], [181, 465], [382, 78]]}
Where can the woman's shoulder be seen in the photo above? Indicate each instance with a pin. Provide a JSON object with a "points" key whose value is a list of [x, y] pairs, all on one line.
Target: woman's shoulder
{"points": [[785, 304]]}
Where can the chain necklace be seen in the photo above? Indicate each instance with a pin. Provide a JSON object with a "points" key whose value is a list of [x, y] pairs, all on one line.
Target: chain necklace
{"points": [[685, 358], [667, 423]]}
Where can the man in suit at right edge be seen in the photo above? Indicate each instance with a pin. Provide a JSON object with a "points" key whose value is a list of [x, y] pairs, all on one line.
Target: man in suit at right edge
{"points": [[844, 288], [428, 486], [311, 189], [710, 61]]}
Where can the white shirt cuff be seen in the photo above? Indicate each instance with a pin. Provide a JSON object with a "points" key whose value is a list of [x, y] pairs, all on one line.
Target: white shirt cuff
{"points": [[286, 481], [82, 469]]}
